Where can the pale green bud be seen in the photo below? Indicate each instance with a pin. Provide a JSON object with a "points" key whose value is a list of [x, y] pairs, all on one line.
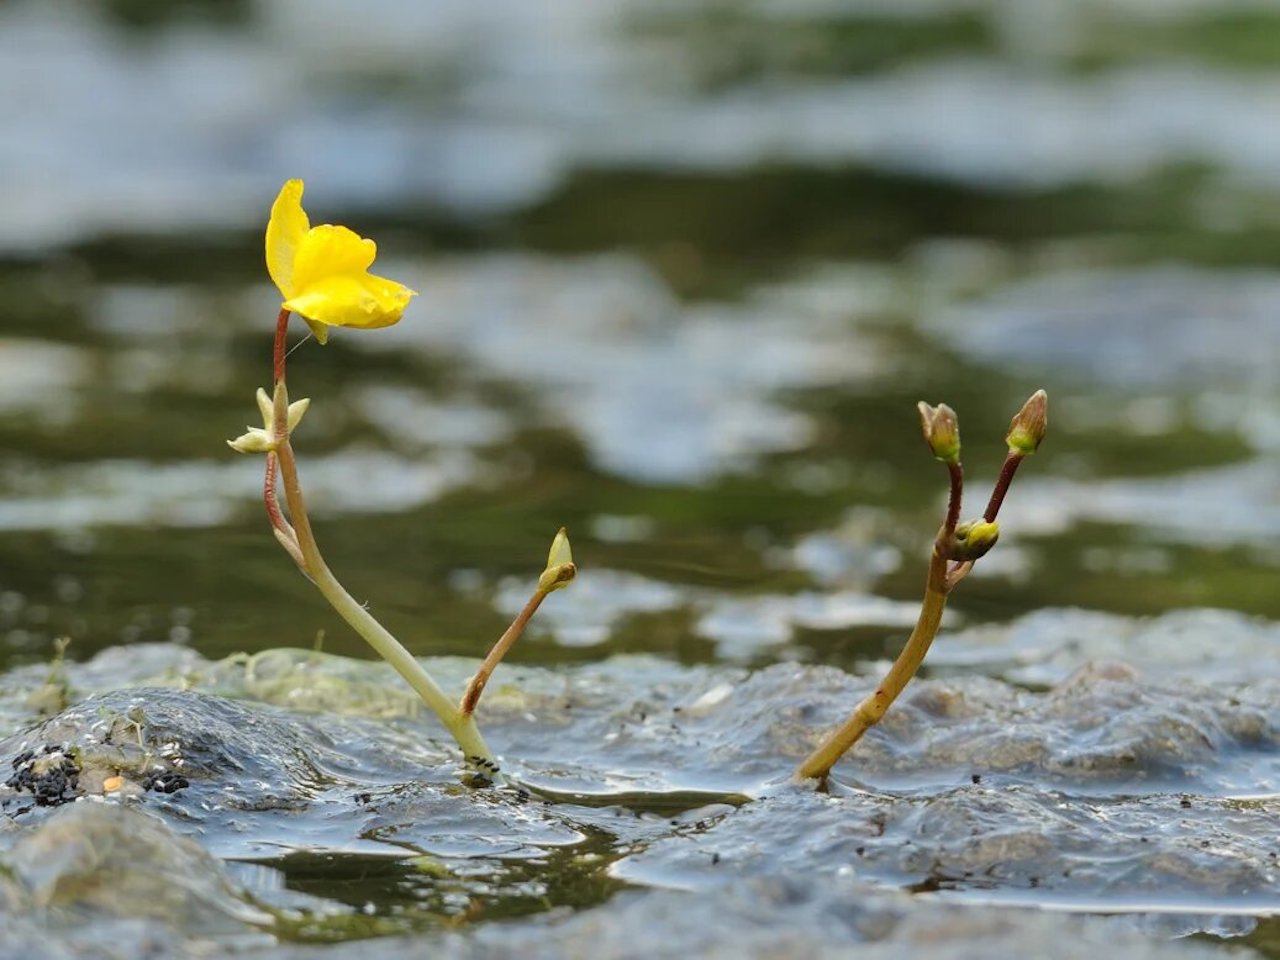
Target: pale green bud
{"points": [[560, 569]]}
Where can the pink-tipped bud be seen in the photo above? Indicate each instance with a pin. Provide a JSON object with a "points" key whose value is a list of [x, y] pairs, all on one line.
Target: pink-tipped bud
{"points": [[941, 431], [1028, 427]]}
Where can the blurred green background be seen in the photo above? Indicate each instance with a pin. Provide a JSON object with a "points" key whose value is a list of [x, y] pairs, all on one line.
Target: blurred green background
{"points": [[685, 270]]}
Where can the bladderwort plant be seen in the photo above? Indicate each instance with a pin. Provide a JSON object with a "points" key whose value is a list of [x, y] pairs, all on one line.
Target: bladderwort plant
{"points": [[323, 276], [956, 549]]}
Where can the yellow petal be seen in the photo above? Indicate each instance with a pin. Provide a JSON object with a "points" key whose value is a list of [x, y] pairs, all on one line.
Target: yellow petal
{"points": [[328, 251], [285, 231], [318, 330], [352, 301]]}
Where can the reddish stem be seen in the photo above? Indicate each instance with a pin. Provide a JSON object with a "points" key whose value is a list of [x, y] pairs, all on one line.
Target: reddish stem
{"points": [[494, 657], [270, 499], [278, 355], [956, 472], [1002, 485], [284, 529]]}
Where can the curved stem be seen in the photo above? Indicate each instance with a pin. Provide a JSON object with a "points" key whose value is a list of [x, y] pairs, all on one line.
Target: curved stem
{"points": [[461, 726], [868, 713], [299, 541], [281, 527]]}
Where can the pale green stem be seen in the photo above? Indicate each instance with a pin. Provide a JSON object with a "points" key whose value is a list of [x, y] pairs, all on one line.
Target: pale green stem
{"points": [[868, 713], [461, 726]]}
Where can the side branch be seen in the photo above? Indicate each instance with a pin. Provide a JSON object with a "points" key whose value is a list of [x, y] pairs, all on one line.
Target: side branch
{"points": [[1007, 470], [476, 685]]}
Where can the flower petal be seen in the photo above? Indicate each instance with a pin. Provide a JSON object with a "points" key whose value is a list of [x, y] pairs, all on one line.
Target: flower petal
{"points": [[328, 251], [318, 330], [285, 231], [352, 301]]}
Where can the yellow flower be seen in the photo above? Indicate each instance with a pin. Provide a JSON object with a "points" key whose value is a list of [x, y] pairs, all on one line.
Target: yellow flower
{"points": [[323, 272]]}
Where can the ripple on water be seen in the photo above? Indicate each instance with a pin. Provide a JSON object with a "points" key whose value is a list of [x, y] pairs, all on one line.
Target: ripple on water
{"points": [[33, 371], [582, 85], [1213, 507], [1155, 327], [1208, 647], [660, 391], [204, 493], [599, 600]]}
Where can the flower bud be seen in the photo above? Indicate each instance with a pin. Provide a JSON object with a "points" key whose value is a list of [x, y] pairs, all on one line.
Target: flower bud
{"points": [[971, 540], [1028, 427], [941, 431], [560, 567]]}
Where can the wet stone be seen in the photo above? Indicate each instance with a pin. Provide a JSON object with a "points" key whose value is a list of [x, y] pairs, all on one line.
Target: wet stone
{"points": [[165, 782], [97, 880], [224, 767]]}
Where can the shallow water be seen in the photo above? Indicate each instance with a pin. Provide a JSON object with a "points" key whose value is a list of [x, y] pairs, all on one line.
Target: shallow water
{"points": [[1106, 793], [685, 270]]}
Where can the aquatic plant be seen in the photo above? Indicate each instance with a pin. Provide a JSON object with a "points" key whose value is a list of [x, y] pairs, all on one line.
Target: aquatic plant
{"points": [[956, 549], [323, 276]]}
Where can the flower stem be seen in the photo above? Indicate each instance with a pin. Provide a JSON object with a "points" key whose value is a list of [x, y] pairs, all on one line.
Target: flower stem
{"points": [[278, 351], [1009, 468], [868, 713], [461, 726], [300, 543], [955, 472], [494, 657]]}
